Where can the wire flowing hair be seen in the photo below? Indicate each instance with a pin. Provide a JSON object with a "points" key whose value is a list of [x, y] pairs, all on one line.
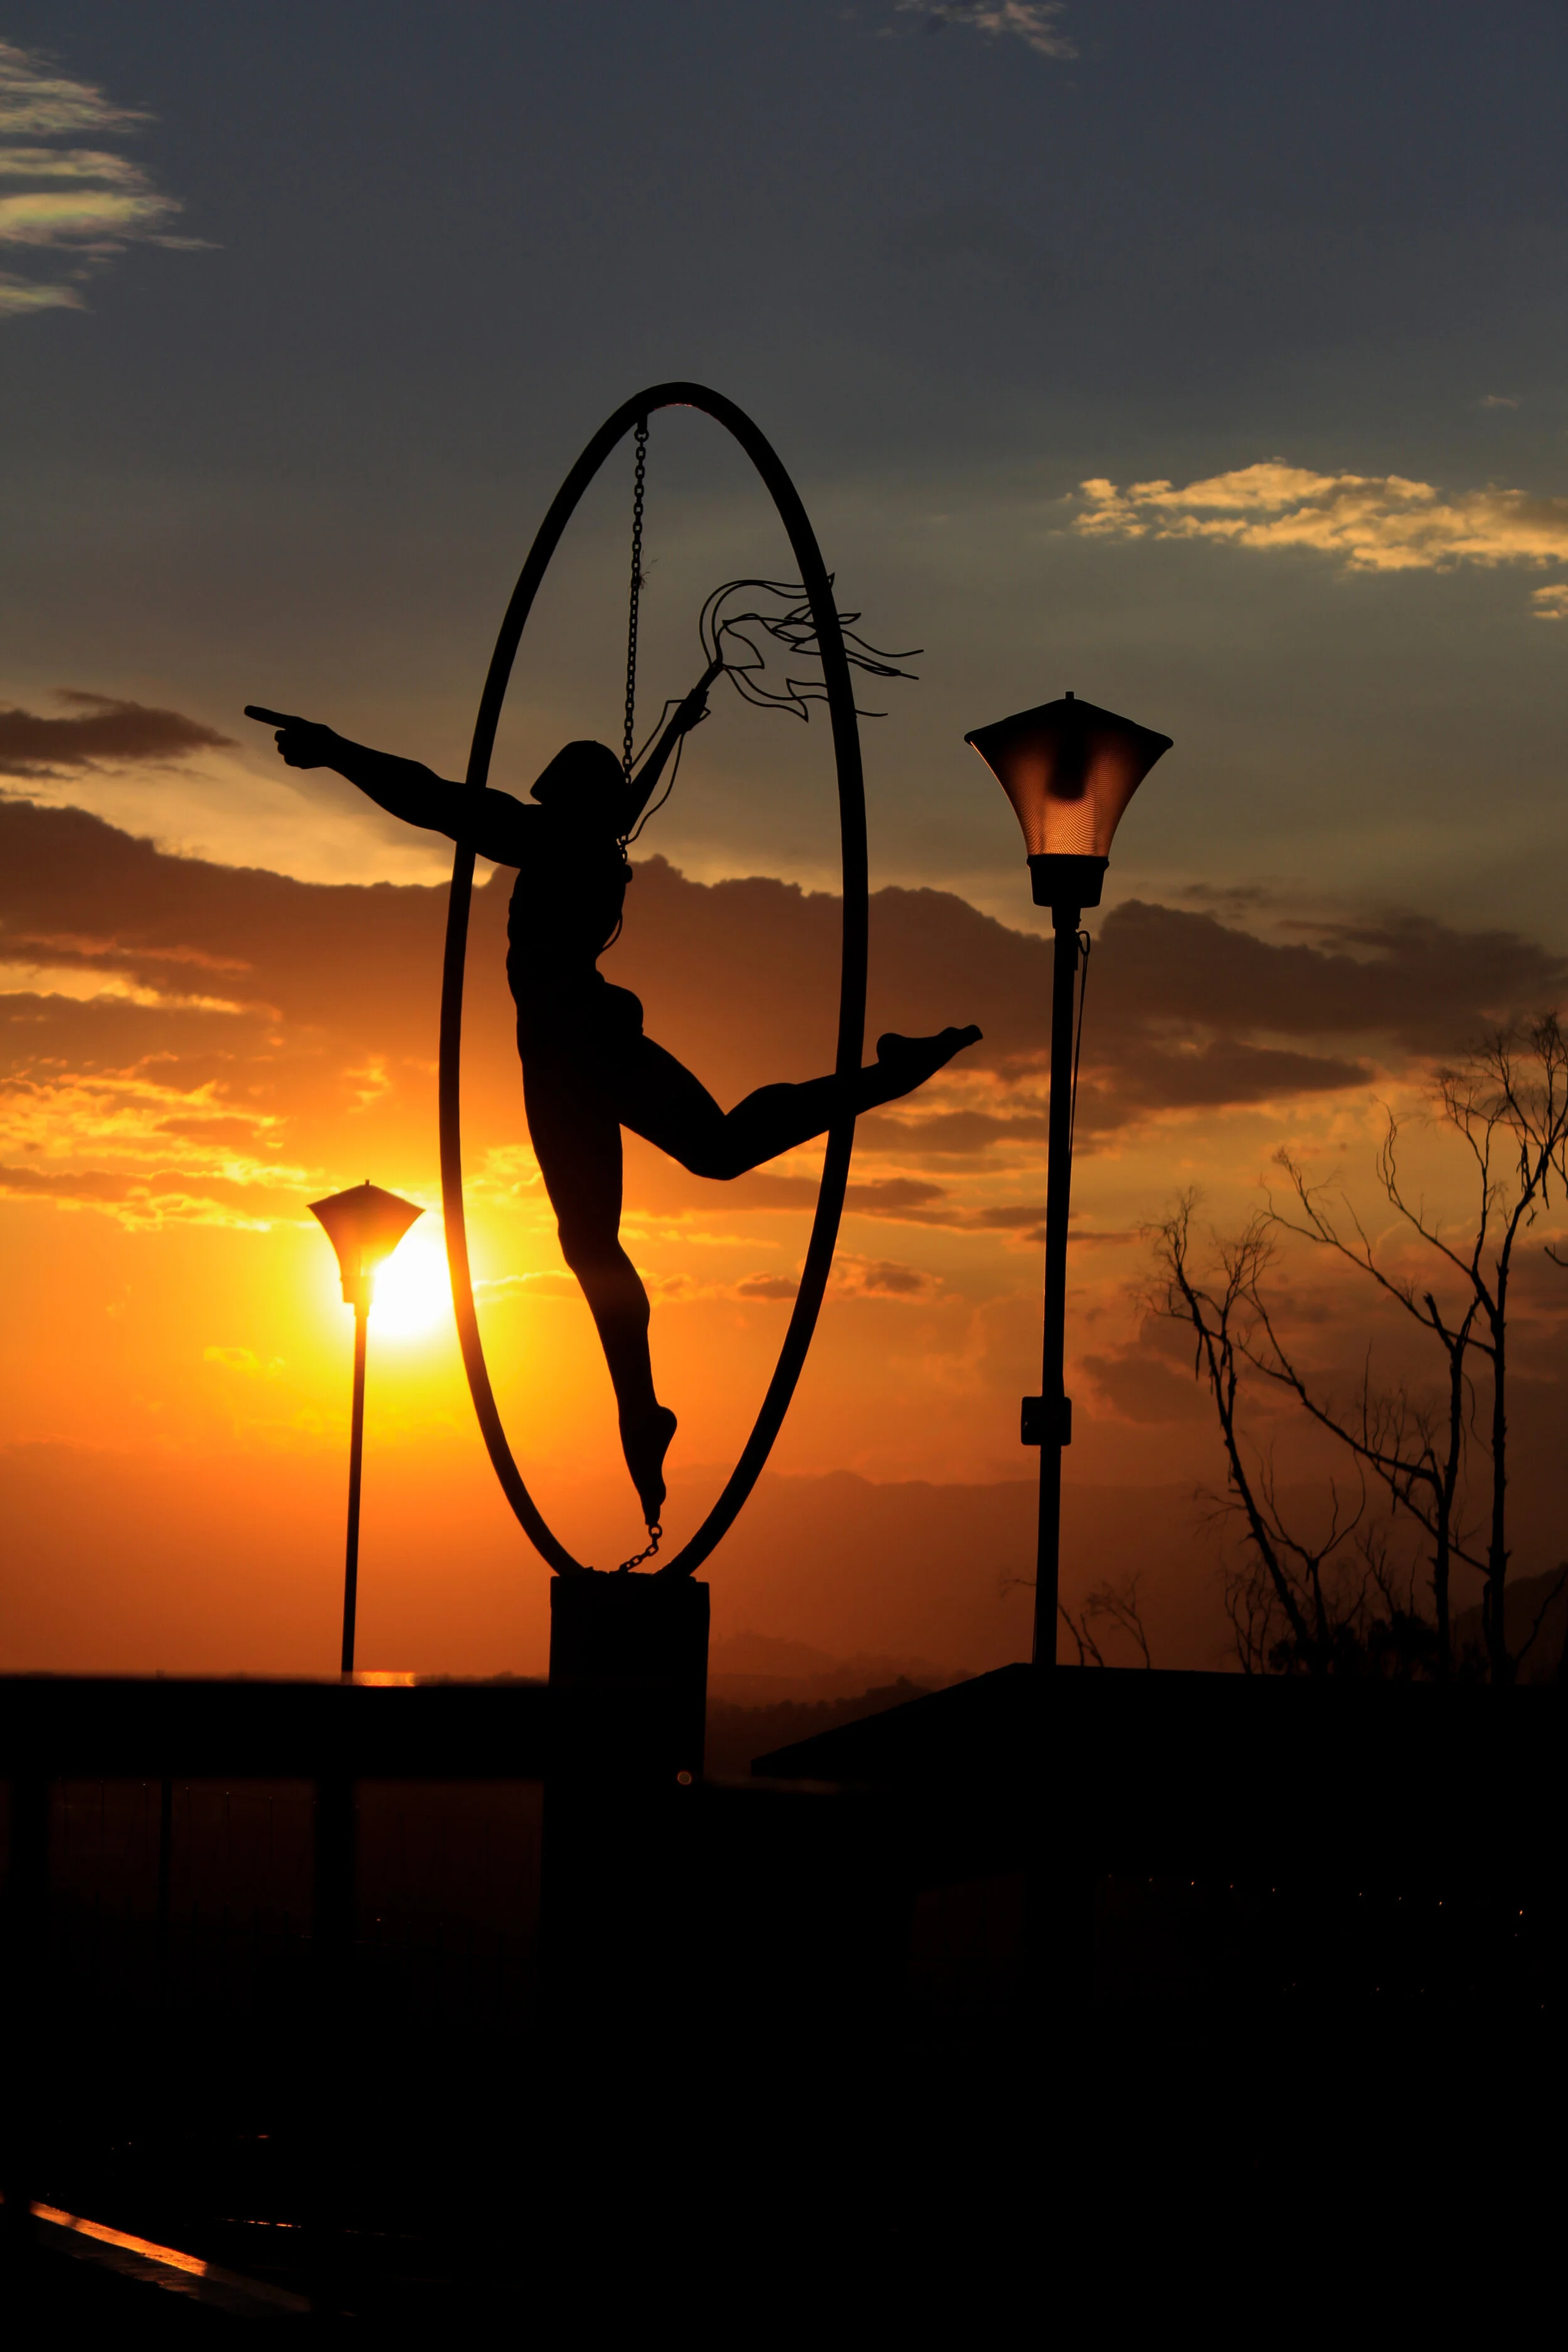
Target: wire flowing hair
{"points": [[731, 641], [734, 633]]}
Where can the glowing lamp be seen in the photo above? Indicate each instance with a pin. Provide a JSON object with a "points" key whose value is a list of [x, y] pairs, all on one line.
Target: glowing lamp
{"points": [[364, 1227], [1070, 770]]}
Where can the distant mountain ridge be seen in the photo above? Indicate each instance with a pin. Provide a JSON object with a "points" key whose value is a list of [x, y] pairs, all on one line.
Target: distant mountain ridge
{"points": [[756, 1669]]}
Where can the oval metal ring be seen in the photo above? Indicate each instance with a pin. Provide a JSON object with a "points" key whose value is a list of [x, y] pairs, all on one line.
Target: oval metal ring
{"points": [[851, 992]]}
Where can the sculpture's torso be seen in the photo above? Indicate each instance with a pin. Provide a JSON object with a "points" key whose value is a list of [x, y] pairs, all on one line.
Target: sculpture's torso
{"points": [[566, 907]]}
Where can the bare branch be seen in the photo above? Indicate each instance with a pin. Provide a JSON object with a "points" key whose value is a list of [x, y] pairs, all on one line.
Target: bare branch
{"points": [[1210, 1313], [1087, 1648], [1119, 1604]]}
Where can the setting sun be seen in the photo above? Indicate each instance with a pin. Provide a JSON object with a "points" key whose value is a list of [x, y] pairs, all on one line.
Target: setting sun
{"points": [[413, 1289]]}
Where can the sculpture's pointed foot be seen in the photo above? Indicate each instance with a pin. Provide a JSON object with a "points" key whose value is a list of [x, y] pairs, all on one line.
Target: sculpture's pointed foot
{"points": [[912, 1060], [645, 1440]]}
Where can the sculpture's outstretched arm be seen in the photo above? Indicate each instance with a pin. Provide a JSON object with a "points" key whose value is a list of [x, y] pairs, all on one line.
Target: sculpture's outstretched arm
{"points": [[488, 821], [687, 715]]}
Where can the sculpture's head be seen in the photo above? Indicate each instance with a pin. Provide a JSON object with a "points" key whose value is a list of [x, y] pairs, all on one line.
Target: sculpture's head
{"points": [[583, 782]]}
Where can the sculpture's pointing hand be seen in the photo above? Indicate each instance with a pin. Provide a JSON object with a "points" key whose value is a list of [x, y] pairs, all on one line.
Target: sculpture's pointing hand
{"points": [[300, 741]]}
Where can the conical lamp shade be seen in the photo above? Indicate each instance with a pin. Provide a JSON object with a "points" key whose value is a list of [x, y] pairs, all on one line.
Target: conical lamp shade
{"points": [[364, 1227], [1070, 770]]}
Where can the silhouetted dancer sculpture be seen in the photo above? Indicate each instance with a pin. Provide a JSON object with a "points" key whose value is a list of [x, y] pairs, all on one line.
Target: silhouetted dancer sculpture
{"points": [[589, 1070]]}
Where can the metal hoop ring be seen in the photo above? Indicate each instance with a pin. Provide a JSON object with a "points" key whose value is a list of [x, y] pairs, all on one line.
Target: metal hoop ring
{"points": [[852, 979]]}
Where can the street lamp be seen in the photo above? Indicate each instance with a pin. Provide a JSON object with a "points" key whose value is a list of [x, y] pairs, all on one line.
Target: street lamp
{"points": [[364, 1227], [1070, 770]]}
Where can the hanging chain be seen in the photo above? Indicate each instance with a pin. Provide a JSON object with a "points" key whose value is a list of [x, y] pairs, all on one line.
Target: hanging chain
{"points": [[656, 1537], [637, 588]]}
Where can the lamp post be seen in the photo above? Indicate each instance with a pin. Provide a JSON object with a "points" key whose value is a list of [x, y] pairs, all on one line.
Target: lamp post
{"points": [[1070, 770], [364, 1227]]}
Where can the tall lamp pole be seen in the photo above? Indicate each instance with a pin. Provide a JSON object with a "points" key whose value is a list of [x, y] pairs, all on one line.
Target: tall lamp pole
{"points": [[364, 1227], [1070, 770]]}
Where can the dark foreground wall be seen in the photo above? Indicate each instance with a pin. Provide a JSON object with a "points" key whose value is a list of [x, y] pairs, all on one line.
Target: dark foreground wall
{"points": [[1212, 1860], [377, 1994], [1136, 1772], [916, 1998]]}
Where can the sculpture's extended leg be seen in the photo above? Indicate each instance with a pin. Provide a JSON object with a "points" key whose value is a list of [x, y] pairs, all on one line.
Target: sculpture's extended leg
{"points": [[658, 1099], [577, 1140]]}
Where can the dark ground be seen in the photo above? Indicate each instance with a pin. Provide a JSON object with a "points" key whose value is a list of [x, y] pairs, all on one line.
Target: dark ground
{"points": [[782, 2097]]}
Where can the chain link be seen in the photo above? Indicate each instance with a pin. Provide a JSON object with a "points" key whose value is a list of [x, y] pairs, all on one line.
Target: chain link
{"points": [[656, 1536], [637, 588]]}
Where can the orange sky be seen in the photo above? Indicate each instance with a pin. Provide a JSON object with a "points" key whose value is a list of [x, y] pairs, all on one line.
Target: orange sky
{"points": [[196, 1051], [1091, 376]]}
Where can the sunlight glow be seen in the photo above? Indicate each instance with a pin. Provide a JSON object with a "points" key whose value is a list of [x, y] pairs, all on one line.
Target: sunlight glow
{"points": [[413, 1289]]}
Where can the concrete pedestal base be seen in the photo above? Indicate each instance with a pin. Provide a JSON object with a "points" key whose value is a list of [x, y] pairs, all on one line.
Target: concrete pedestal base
{"points": [[628, 1662], [628, 1673]]}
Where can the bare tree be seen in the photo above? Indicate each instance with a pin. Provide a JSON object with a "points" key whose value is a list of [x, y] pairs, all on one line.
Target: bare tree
{"points": [[1508, 1102], [1414, 1447], [1118, 1605], [1284, 1577]]}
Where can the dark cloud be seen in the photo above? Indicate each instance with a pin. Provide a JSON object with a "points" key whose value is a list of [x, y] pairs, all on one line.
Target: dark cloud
{"points": [[312, 1010], [1185, 1073], [886, 1276], [1417, 984], [1027, 1220], [1185, 1012], [75, 891], [949, 1135], [894, 1196], [767, 1285], [1140, 1385], [101, 728], [908, 1199]]}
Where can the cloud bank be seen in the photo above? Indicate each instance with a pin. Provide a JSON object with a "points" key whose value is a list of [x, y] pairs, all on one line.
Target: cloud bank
{"points": [[187, 1041], [74, 208], [1369, 522]]}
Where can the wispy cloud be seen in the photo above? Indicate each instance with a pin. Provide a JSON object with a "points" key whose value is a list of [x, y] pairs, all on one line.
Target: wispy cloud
{"points": [[47, 105], [245, 1360], [94, 221], [79, 206], [142, 1150], [1035, 23], [53, 164], [1370, 522], [20, 295], [84, 984]]}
